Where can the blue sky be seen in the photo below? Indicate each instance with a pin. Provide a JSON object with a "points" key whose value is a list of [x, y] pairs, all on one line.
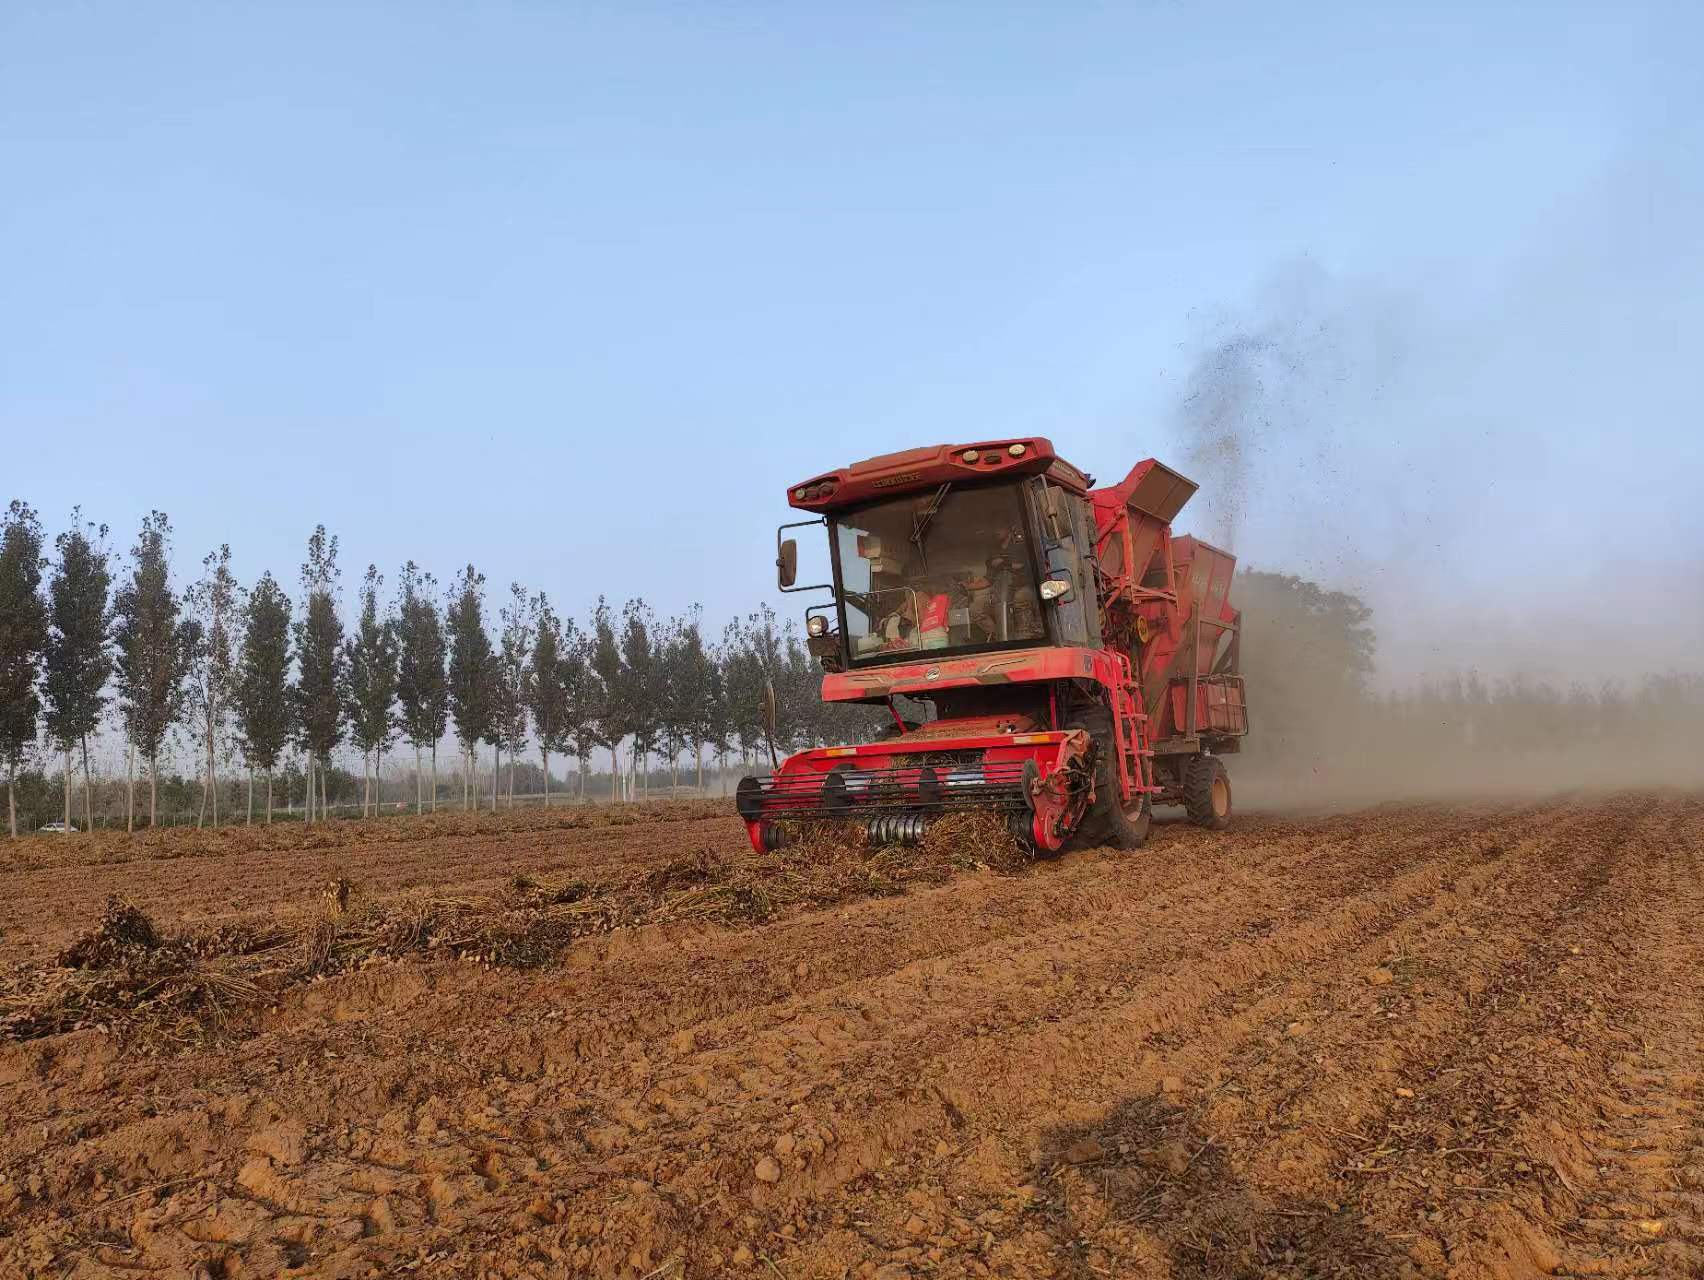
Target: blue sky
{"points": [[574, 292]]}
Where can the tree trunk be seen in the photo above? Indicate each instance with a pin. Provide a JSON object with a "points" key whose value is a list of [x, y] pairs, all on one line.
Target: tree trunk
{"points": [[67, 830], [12, 800], [130, 790], [269, 797], [546, 756], [153, 791], [88, 799], [434, 775], [698, 749], [496, 772], [366, 783], [419, 784], [378, 783], [249, 820], [614, 773], [212, 768]]}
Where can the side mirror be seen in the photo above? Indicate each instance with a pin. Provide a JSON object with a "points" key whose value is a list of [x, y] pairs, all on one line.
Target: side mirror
{"points": [[787, 563], [1055, 589]]}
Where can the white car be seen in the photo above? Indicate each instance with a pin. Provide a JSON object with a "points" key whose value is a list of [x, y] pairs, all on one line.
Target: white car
{"points": [[59, 827]]}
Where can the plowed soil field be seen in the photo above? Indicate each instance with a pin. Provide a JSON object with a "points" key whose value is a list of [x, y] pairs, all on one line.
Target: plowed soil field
{"points": [[1410, 1040]]}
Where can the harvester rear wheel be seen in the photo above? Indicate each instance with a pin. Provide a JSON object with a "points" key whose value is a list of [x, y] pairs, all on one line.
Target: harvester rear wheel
{"points": [[1108, 820], [1207, 793]]}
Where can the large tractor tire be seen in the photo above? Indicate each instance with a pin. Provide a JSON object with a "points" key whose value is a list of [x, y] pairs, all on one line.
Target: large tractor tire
{"points": [[1108, 820], [1207, 793]]}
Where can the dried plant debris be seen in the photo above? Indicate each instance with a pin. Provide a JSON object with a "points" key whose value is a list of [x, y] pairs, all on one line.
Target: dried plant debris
{"points": [[126, 973]]}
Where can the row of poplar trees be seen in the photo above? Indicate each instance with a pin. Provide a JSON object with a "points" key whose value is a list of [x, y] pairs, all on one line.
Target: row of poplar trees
{"points": [[237, 665]]}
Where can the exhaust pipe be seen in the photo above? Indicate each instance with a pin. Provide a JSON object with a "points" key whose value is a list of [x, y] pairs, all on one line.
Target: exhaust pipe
{"points": [[896, 828]]}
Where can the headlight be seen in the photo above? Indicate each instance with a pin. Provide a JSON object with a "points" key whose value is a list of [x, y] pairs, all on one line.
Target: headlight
{"points": [[1054, 588], [816, 625]]}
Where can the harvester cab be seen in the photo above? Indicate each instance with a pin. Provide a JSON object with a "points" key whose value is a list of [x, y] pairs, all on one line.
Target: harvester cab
{"points": [[1079, 663]]}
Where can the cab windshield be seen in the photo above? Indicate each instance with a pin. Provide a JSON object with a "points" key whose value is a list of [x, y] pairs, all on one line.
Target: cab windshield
{"points": [[948, 568]]}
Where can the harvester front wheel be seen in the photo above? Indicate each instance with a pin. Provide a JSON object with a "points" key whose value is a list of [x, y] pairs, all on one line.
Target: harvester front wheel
{"points": [[1207, 793], [1108, 820]]}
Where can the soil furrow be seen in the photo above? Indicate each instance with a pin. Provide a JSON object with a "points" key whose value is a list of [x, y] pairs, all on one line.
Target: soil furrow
{"points": [[1413, 1039]]}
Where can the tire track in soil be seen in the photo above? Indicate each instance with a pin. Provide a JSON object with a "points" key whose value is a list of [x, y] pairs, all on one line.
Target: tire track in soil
{"points": [[1639, 1209], [1481, 1157], [1392, 1092]]}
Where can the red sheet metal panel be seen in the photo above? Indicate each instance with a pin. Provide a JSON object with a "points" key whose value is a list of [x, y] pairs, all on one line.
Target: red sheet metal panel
{"points": [[919, 678]]}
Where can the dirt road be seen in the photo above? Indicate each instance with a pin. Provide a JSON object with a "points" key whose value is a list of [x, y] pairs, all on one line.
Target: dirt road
{"points": [[1409, 1040]]}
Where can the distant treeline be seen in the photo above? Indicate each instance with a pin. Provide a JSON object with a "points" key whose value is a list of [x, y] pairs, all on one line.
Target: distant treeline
{"points": [[246, 675]]}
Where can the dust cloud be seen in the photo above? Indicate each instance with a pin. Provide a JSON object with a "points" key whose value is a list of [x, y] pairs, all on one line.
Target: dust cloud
{"points": [[1503, 462]]}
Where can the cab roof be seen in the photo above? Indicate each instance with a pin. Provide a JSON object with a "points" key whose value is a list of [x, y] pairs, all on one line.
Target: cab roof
{"points": [[914, 469]]}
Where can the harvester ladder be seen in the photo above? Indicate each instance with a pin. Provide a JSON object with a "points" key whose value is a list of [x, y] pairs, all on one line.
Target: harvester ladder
{"points": [[1131, 729]]}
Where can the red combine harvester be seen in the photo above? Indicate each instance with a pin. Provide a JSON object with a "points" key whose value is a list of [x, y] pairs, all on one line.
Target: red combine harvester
{"points": [[1070, 663]]}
